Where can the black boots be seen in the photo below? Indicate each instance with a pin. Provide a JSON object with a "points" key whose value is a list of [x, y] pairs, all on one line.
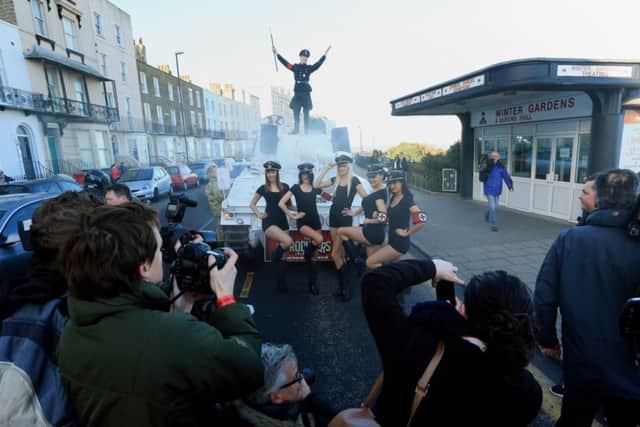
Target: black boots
{"points": [[343, 290], [353, 256], [279, 268], [313, 269]]}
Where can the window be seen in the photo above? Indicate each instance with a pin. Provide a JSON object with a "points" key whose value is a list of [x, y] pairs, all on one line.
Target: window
{"points": [[11, 230], [174, 119], [38, 18], [143, 82], [190, 96], [200, 120], [170, 90], [156, 87], [70, 33], [543, 157], [147, 112], [3, 72], [193, 118], [583, 157], [97, 21], [52, 83], [159, 113], [118, 34], [103, 60], [127, 106], [101, 150], [123, 71], [564, 157], [522, 147], [198, 99]]}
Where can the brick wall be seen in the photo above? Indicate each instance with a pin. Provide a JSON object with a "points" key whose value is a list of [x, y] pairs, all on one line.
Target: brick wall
{"points": [[8, 12]]}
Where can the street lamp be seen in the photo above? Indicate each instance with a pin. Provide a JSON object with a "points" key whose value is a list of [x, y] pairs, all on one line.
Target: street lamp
{"points": [[184, 126]]}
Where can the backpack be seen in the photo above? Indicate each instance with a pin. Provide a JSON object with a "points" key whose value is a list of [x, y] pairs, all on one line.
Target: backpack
{"points": [[484, 169], [31, 389]]}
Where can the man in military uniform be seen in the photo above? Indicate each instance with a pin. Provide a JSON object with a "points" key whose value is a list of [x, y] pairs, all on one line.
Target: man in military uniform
{"points": [[302, 90], [214, 194]]}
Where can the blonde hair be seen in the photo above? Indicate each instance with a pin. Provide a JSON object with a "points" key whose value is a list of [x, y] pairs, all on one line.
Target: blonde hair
{"points": [[350, 178]]}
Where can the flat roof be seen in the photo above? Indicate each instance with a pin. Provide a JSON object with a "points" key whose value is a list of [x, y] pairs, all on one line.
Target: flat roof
{"points": [[518, 78]]}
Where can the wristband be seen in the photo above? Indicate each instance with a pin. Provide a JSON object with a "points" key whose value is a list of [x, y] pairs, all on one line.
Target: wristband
{"points": [[225, 300]]}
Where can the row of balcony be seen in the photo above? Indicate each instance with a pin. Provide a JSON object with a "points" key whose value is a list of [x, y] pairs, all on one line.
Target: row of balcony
{"points": [[131, 124], [38, 103]]}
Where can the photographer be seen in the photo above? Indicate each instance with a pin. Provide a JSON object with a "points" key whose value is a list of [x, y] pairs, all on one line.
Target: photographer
{"points": [[589, 273], [33, 315], [488, 343], [117, 194], [123, 357]]}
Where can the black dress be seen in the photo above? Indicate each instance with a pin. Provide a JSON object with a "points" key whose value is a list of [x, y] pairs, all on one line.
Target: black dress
{"points": [[374, 233], [306, 202], [399, 217], [275, 216], [342, 200]]}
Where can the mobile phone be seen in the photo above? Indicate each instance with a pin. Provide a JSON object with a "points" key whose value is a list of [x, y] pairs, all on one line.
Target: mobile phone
{"points": [[445, 291]]}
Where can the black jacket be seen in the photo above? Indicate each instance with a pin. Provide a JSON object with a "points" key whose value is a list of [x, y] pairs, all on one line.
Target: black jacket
{"points": [[589, 273], [465, 390], [301, 73]]}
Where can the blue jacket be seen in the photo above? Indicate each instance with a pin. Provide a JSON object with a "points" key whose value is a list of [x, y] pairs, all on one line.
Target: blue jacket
{"points": [[589, 273], [493, 185]]}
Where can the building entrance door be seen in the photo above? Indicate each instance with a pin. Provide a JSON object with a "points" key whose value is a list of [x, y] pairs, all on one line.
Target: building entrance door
{"points": [[53, 151], [554, 175]]}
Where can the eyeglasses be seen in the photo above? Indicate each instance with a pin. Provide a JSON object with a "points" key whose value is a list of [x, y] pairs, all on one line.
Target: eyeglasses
{"points": [[299, 377]]}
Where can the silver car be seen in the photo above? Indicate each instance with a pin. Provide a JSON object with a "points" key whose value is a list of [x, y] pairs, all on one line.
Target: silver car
{"points": [[147, 183]]}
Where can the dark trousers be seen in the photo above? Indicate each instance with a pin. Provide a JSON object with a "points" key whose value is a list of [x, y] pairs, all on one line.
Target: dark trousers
{"points": [[580, 405], [296, 118]]}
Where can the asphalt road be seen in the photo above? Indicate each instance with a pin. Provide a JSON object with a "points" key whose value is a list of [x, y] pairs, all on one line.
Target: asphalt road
{"points": [[327, 335]]}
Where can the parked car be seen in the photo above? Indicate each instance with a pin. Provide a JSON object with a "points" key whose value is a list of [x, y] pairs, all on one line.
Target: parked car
{"points": [[200, 169], [182, 177], [147, 183], [97, 176], [14, 258], [54, 185]]}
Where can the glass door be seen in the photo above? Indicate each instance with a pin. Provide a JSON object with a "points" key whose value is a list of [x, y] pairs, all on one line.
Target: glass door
{"points": [[553, 175]]}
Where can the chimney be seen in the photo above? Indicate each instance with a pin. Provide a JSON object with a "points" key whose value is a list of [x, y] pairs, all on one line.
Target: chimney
{"points": [[165, 68], [186, 78], [141, 51], [216, 88]]}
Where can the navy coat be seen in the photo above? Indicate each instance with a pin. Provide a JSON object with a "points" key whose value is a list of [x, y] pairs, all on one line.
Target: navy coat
{"points": [[589, 273]]}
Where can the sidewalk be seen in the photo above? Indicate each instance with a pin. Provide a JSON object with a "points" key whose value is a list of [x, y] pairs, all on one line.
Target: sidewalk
{"points": [[456, 231]]}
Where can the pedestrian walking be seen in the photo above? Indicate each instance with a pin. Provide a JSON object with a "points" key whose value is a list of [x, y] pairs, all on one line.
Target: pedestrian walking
{"points": [[492, 177], [345, 187], [401, 211], [588, 274], [274, 220], [306, 217], [302, 90]]}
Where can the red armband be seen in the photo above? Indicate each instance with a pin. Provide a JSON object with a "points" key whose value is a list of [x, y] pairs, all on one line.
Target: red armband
{"points": [[326, 196], [225, 300], [419, 217], [382, 217]]}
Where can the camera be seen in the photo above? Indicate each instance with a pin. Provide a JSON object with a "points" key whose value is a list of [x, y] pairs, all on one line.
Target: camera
{"points": [[445, 291], [177, 207]]}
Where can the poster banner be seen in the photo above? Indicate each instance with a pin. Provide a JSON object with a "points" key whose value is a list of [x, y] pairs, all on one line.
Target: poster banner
{"points": [[295, 253], [630, 150]]}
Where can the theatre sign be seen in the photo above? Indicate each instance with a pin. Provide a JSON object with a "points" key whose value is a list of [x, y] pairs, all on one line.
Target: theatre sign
{"points": [[440, 92], [550, 108]]}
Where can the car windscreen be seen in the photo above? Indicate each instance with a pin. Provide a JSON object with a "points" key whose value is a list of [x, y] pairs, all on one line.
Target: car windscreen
{"points": [[137, 175], [173, 170], [196, 165], [13, 189]]}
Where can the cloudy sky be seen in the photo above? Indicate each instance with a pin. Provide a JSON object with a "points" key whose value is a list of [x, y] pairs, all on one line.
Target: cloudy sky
{"points": [[381, 49]]}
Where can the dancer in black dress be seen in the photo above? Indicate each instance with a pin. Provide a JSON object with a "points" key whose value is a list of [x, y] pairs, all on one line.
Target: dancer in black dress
{"points": [[274, 222], [345, 187], [402, 209], [371, 234], [307, 218]]}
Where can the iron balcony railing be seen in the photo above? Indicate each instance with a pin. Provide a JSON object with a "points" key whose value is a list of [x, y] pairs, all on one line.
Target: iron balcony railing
{"points": [[167, 129], [37, 102]]}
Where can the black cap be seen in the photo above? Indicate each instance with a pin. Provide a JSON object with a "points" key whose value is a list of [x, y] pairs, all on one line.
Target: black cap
{"points": [[396, 175], [374, 170], [270, 165], [305, 52], [343, 158], [305, 167]]}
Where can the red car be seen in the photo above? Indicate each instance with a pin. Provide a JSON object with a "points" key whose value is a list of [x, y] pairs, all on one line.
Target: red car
{"points": [[182, 177]]}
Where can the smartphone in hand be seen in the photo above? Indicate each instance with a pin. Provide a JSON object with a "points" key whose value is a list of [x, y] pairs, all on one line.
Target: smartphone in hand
{"points": [[445, 291]]}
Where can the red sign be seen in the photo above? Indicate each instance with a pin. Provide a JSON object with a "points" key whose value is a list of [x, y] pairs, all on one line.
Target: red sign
{"points": [[295, 252]]}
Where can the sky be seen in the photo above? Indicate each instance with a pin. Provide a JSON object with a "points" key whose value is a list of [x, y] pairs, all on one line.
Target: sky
{"points": [[381, 50]]}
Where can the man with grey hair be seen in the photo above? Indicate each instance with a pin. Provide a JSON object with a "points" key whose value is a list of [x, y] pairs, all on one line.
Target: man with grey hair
{"points": [[285, 399], [589, 273]]}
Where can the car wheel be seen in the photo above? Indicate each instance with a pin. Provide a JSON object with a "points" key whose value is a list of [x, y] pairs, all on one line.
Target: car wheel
{"points": [[156, 194]]}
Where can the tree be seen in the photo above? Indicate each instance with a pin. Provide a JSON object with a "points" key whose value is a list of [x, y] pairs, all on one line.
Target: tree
{"points": [[413, 150]]}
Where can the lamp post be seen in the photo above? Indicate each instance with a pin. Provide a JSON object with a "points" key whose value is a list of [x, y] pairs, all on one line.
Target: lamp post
{"points": [[184, 125]]}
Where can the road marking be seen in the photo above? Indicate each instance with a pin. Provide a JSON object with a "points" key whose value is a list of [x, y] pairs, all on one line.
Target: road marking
{"points": [[246, 287]]}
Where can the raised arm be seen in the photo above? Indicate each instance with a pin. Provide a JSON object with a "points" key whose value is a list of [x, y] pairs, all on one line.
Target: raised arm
{"points": [[284, 61], [320, 182], [317, 65]]}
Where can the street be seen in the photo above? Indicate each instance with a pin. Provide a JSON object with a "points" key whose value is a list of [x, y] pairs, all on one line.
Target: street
{"points": [[327, 335]]}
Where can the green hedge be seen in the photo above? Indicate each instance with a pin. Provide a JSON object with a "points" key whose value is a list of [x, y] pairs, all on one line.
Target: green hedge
{"points": [[427, 173]]}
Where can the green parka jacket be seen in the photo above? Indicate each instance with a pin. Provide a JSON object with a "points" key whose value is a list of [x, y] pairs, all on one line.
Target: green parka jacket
{"points": [[127, 361]]}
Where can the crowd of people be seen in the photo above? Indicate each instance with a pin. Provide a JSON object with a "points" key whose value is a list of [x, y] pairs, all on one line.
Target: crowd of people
{"points": [[96, 338]]}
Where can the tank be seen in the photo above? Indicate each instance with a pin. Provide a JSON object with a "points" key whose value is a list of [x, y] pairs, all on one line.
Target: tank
{"points": [[241, 230]]}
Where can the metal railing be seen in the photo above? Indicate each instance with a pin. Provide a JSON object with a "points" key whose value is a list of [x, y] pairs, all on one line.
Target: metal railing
{"points": [[37, 102]]}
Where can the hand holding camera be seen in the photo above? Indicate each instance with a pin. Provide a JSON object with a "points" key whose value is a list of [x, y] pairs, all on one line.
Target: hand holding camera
{"points": [[222, 278]]}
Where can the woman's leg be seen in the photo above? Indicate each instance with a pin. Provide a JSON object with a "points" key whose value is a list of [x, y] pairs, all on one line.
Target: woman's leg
{"points": [[337, 251], [384, 255], [282, 237], [316, 240], [284, 242]]}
